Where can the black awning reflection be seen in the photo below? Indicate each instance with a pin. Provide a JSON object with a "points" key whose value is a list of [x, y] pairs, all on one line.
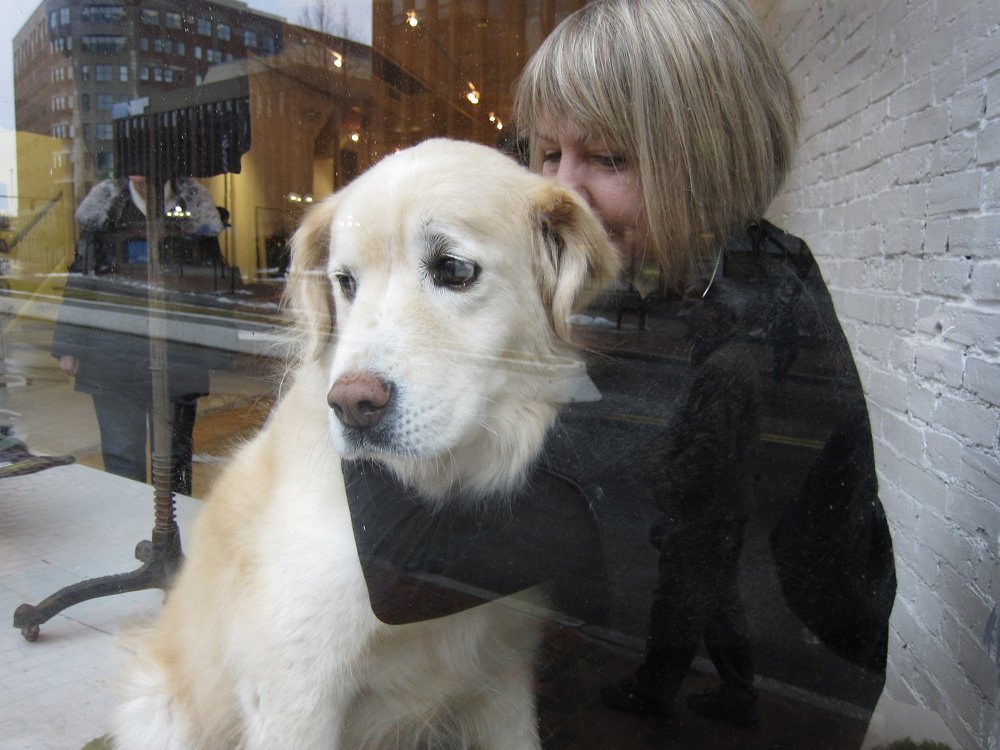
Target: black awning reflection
{"points": [[198, 132]]}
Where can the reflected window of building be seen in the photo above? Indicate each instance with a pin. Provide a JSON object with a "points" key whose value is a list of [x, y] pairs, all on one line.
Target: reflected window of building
{"points": [[150, 16], [205, 26], [172, 20], [222, 32], [105, 14], [109, 44], [104, 163]]}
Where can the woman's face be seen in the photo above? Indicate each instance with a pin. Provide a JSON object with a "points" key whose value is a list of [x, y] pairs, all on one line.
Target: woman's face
{"points": [[604, 178]]}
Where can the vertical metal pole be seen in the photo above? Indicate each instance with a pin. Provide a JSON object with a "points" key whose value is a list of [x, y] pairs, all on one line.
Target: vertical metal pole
{"points": [[165, 531]]}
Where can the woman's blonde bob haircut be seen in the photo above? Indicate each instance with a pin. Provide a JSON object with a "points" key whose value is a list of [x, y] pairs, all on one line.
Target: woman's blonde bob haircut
{"points": [[695, 98]]}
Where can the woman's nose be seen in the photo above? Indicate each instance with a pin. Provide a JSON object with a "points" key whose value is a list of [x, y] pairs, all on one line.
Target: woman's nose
{"points": [[572, 175]]}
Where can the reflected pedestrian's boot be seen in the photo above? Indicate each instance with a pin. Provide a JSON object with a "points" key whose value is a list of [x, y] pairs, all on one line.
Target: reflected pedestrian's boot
{"points": [[629, 697], [723, 705]]}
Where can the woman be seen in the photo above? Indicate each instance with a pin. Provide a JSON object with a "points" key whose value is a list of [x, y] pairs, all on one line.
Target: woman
{"points": [[676, 121]]}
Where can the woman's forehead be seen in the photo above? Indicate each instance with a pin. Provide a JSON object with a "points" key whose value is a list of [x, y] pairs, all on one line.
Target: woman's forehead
{"points": [[562, 129]]}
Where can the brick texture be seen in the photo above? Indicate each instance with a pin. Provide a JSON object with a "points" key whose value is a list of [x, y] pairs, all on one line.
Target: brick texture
{"points": [[897, 189]]}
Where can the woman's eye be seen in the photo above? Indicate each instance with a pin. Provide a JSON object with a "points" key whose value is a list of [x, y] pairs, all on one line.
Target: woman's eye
{"points": [[610, 161], [550, 156], [348, 284], [456, 273]]}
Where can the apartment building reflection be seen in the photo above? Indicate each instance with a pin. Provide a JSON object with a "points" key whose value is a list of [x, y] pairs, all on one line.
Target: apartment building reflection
{"points": [[322, 106]]}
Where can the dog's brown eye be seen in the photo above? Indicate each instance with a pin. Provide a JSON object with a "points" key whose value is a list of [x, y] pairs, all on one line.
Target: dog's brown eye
{"points": [[348, 285], [447, 270]]}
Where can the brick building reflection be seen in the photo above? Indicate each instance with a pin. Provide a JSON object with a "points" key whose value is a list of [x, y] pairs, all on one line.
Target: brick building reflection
{"points": [[323, 106]]}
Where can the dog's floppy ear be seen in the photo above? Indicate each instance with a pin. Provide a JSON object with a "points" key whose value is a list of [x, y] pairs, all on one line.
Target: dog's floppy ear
{"points": [[308, 292], [576, 260]]}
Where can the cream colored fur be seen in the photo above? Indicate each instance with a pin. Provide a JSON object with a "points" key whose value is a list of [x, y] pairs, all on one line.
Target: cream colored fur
{"points": [[267, 638]]}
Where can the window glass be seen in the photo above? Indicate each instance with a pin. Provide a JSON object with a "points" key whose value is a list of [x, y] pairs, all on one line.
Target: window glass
{"points": [[105, 43], [102, 14], [104, 162], [690, 495]]}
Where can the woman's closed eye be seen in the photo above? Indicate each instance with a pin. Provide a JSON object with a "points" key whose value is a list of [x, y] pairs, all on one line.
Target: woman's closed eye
{"points": [[600, 159], [609, 161]]}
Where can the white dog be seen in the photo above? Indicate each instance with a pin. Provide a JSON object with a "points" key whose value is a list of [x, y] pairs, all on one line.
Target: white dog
{"points": [[433, 291]]}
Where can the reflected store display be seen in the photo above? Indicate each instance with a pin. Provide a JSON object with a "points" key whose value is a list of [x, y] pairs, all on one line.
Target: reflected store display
{"points": [[486, 445]]}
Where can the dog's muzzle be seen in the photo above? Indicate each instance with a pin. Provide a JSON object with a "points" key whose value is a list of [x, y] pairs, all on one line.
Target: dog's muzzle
{"points": [[360, 399]]}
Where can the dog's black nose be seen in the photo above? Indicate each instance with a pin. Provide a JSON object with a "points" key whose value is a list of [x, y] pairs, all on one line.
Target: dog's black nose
{"points": [[359, 399]]}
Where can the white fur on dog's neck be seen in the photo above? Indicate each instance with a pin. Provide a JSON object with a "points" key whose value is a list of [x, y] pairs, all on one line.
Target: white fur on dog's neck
{"points": [[495, 462]]}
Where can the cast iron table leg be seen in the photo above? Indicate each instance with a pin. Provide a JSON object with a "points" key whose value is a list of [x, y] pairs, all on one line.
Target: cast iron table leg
{"points": [[160, 559]]}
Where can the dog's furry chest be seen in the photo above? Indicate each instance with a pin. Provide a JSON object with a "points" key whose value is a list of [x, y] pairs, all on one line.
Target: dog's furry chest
{"points": [[417, 681]]}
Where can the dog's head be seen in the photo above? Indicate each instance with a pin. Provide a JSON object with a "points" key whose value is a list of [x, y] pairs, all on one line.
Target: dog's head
{"points": [[435, 290]]}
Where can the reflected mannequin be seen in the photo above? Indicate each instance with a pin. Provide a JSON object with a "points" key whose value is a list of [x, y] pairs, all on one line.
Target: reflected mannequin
{"points": [[113, 365]]}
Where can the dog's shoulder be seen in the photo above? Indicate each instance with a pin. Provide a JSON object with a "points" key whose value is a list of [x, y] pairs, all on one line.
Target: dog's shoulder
{"points": [[292, 448]]}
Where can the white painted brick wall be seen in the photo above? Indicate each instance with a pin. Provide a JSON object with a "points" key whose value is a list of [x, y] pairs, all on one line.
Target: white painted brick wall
{"points": [[897, 190]]}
